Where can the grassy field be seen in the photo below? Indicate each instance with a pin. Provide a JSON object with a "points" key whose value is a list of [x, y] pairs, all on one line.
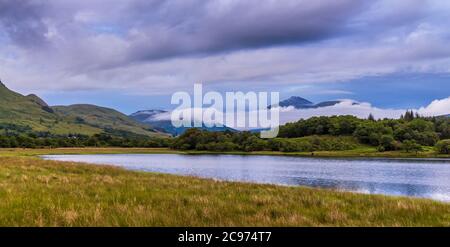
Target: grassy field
{"points": [[35, 192]]}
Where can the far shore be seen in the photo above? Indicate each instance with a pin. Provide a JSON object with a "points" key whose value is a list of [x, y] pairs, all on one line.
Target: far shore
{"points": [[356, 153]]}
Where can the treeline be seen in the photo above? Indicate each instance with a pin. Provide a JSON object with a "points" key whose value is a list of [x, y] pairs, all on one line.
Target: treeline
{"points": [[18, 136], [97, 140], [201, 140], [409, 133], [387, 134]]}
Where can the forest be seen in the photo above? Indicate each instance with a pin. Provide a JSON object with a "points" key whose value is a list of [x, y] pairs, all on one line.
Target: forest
{"points": [[410, 133]]}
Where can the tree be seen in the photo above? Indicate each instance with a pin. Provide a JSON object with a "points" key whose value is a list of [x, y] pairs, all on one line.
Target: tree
{"points": [[442, 127], [371, 117], [409, 115], [370, 132], [420, 130], [343, 125], [411, 146], [255, 144], [387, 143], [4, 142], [443, 147]]}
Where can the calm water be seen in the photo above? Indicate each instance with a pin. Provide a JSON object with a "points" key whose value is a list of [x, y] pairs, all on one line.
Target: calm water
{"points": [[419, 178]]}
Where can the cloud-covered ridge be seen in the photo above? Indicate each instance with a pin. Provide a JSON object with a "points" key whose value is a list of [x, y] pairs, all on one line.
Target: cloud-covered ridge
{"points": [[346, 107]]}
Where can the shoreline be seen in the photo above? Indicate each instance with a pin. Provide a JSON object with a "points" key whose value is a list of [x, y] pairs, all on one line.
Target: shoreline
{"points": [[356, 153]]}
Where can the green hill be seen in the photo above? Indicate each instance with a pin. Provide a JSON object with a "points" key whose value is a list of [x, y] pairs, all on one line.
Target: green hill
{"points": [[107, 119], [21, 113], [28, 111]]}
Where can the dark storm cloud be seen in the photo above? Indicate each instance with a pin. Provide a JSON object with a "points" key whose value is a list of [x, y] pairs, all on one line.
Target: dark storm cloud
{"points": [[161, 29], [22, 21], [203, 27], [158, 46]]}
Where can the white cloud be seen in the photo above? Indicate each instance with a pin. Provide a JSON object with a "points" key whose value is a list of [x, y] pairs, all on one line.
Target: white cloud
{"points": [[346, 107], [362, 110], [408, 35], [436, 108]]}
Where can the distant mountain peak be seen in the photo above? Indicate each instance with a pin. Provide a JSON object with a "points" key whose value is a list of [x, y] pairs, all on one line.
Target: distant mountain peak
{"points": [[296, 101], [153, 119], [302, 103]]}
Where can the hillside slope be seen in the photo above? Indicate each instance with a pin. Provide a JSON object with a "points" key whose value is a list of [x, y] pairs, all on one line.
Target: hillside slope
{"points": [[153, 119], [105, 118], [33, 113], [30, 113]]}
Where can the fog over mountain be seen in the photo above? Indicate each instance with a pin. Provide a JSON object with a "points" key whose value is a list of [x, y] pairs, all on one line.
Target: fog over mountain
{"points": [[294, 111]]}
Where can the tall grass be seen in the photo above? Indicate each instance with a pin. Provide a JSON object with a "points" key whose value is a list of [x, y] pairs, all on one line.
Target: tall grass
{"points": [[35, 192]]}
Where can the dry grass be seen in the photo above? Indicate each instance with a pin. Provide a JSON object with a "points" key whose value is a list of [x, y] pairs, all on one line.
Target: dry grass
{"points": [[35, 192]]}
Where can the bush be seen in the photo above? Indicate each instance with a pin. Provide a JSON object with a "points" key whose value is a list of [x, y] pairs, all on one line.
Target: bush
{"points": [[295, 145], [387, 143], [443, 147], [312, 143], [381, 149], [411, 146], [371, 132]]}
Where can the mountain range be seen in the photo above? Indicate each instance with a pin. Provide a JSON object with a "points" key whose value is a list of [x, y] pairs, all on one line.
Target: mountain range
{"points": [[158, 119], [32, 113], [153, 119]]}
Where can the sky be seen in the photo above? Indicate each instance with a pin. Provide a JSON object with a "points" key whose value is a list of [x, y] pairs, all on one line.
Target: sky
{"points": [[134, 54]]}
